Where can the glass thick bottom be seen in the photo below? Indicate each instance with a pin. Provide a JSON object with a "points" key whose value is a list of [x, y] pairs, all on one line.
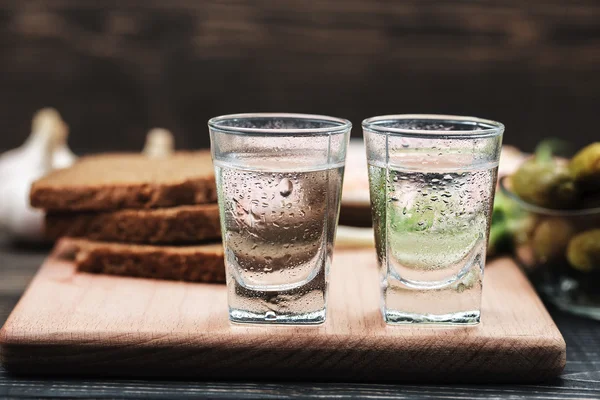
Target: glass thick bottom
{"points": [[459, 318], [457, 302], [244, 316], [304, 304]]}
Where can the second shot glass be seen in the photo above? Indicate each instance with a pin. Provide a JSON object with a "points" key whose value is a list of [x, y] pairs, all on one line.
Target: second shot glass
{"points": [[279, 180], [432, 180]]}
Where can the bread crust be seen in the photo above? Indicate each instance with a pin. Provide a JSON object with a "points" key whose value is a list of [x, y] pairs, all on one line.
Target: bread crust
{"points": [[198, 263], [183, 224], [117, 181]]}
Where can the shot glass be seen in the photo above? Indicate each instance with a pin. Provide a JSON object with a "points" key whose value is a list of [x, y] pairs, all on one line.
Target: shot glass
{"points": [[279, 180], [432, 180]]}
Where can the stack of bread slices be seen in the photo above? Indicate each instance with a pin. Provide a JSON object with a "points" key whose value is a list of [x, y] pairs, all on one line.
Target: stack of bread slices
{"points": [[132, 215]]}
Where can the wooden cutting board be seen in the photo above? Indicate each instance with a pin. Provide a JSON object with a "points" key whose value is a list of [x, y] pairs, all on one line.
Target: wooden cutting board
{"points": [[76, 323]]}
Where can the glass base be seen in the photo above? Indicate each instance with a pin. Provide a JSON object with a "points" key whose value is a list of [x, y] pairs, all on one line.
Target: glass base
{"points": [[461, 318], [245, 317]]}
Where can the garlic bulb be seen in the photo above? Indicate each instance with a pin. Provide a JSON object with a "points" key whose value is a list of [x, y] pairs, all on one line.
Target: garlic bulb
{"points": [[21, 166], [159, 143], [63, 157]]}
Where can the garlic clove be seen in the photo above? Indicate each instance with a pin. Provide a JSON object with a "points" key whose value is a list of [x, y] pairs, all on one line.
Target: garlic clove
{"points": [[45, 148], [159, 143], [34, 160], [10, 160], [43, 121], [63, 157], [22, 221], [44, 116]]}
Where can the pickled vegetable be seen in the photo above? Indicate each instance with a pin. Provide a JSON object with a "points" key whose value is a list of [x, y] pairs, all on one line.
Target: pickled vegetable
{"points": [[546, 181], [585, 167], [546, 184], [550, 239], [510, 225], [583, 251]]}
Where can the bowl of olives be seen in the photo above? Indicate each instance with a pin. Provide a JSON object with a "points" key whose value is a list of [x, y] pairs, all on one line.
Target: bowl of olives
{"points": [[558, 243]]}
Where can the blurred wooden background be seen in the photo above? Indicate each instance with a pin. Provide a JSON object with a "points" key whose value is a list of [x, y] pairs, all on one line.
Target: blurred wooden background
{"points": [[116, 69]]}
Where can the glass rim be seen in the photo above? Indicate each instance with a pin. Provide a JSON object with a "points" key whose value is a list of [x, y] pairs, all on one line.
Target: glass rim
{"points": [[503, 181], [491, 129], [340, 125]]}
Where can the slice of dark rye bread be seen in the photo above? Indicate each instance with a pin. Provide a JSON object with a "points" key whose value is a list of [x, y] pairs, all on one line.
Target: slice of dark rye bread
{"points": [[127, 180], [183, 224], [198, 263]]}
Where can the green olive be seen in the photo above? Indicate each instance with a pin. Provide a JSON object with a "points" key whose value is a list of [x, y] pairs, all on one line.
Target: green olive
{"points": [[583, 251], [550, 239], [546, 184], [585, 167]]}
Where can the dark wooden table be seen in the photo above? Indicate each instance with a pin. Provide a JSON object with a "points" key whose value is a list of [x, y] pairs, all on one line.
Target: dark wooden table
{"points": [[581, 378]]}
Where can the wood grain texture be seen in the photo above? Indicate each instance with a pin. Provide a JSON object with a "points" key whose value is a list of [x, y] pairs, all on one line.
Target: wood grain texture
{"points": [[580, 378], [70, 323]]}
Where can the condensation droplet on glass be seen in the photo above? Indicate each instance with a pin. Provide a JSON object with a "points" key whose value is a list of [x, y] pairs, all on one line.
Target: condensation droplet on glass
{"points": [[285, 187], [270, 316]]}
